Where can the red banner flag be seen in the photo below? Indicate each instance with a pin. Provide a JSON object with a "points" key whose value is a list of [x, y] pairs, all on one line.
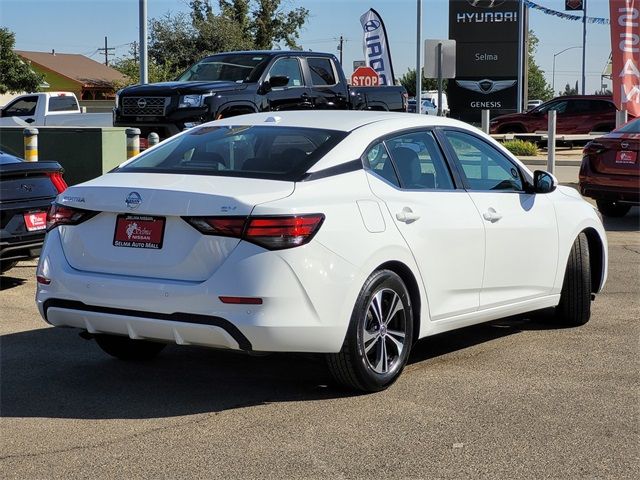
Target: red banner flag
{"points": [[625, 47]]}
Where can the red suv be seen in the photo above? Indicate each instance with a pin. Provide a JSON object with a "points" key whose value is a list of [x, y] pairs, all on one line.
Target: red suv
{"points": [[576, 115]]}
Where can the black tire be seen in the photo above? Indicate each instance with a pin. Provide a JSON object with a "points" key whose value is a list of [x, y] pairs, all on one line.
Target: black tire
{"points": [[353, 367], [609, 208], [574, 308], [6, 265], [125, 348]]}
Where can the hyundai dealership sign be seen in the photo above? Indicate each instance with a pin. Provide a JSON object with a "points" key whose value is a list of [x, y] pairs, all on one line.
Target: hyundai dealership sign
{"points": [[487, 35]]}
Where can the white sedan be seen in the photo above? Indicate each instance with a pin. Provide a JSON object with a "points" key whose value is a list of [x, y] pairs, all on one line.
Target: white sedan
{"points": [[351, 234]]}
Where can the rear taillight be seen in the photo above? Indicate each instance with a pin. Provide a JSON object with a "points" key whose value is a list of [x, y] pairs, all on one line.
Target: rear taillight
{"points": [[58, 181], [61, 215], [270, 232], [593, 148]]}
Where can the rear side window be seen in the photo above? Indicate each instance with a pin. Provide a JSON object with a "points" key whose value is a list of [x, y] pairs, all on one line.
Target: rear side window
{"points": [[484, 167], [419, 162], [277, 153], [63, 104], [321, 71], [21, 108], [378, 160]]}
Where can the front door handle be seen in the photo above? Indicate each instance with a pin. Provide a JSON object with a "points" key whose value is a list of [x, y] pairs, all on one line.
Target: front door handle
{"points": [[491, 215], [407, 215]]}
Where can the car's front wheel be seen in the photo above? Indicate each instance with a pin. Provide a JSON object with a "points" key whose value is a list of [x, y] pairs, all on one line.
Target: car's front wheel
{"points": [[125, 348], [574, 308], [379, 338], [609, 208]]}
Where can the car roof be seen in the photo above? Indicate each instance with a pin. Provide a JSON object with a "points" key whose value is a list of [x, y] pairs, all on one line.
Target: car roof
{"points": [[340, 120]]}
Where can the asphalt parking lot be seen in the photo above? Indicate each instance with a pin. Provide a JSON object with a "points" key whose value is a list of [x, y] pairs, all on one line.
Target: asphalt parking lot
{"points": [[517, 398]]}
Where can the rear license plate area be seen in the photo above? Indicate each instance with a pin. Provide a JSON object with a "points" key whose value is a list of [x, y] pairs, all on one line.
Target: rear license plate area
{"points": [[139, 231], [626, 157], [35, 221]]}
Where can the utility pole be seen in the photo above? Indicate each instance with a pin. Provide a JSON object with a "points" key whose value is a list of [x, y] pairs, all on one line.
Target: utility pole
{"points": [[341, 40], [107, 51], [584, 46], [134, 45], [144, 69]]}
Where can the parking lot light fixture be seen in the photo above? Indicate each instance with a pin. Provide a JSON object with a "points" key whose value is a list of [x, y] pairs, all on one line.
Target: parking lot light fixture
{"points": [[553, 74]]}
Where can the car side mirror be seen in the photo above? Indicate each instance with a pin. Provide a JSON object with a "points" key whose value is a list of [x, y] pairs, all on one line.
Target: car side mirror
{"points": [[279, 81], [544, 182]]}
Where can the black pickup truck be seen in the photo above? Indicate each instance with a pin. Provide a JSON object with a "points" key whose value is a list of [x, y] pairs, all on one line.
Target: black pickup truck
{"points": [[237, 83]]}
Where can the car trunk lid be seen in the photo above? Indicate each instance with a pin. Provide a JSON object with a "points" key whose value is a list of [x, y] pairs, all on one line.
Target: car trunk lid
{"points": [[616, 154], [140, 230]]}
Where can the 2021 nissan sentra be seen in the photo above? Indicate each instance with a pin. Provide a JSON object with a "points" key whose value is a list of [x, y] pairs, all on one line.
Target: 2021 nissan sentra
{"points": [[351, 234], [26, 192]]}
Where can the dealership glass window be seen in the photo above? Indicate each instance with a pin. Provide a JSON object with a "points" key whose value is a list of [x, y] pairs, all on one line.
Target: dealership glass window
{"points": [[419, 162], [321, 71], [287, 67], [484, 167], [63, 104], [378, 161], [23, 107]]}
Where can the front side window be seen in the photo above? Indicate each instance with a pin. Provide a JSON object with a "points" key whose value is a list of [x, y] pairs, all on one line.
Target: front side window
{"points": [[23, 107], [287, 67], [277, 153], [321, 71], [419, 162], [484, 167]]}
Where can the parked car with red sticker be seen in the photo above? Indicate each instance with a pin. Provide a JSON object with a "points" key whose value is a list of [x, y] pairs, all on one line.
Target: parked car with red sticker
{"points": [[610, 170], [26, 192]]}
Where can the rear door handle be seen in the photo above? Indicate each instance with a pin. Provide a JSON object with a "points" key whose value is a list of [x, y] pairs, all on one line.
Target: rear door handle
{"points": [[491, 215], [407, 215]]}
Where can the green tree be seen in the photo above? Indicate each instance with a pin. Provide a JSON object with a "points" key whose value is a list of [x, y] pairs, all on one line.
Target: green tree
{"points": [[570, 91], [408, 81], [15, 75], [538, 88], [130, 67], [182, 39]]}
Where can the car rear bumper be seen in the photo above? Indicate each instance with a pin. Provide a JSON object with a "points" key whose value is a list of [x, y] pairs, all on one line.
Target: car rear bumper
{"points": [[306, 294], [21, 249], [622, 188]]}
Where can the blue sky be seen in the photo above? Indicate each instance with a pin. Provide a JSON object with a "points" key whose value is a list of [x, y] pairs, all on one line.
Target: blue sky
{"points": [[79, 26]]}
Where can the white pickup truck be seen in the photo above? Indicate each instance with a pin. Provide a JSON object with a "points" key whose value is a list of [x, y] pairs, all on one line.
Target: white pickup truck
{"points": [[50, 109]]}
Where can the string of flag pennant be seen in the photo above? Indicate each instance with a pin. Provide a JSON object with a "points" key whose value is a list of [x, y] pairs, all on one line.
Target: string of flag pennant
{"points": [[566, 16]]}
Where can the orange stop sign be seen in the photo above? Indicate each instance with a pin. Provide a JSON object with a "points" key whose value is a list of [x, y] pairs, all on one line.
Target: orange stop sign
{"points": [[365, 77]]}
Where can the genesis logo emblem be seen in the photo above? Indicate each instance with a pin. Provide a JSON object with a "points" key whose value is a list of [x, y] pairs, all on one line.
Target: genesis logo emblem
{"points": [[142, 103], [486, 86], [27, 187], [133, 200], [371, 25], [485, 3]]}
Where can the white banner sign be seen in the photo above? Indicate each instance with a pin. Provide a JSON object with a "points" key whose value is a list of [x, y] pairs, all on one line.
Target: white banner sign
{"points": [[376, 46]]}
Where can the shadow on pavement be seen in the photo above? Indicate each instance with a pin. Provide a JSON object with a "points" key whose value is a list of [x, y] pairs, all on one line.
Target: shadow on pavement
{"points": [[7, 282], [53, 373], [629, 223]]}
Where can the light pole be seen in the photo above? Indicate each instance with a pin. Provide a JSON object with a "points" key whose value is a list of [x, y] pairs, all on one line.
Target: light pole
{"points": [[553, 74]]}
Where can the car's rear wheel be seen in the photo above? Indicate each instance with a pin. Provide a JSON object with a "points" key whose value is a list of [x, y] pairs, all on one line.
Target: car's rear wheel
{"points": [[125, 348], [379, 338], [7, 265], [610, 208], [574, 308]]}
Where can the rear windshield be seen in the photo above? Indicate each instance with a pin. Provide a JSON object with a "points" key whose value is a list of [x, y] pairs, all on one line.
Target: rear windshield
{"points": [[631, 127], [228, 68], [269, 152], [65, 103]]}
